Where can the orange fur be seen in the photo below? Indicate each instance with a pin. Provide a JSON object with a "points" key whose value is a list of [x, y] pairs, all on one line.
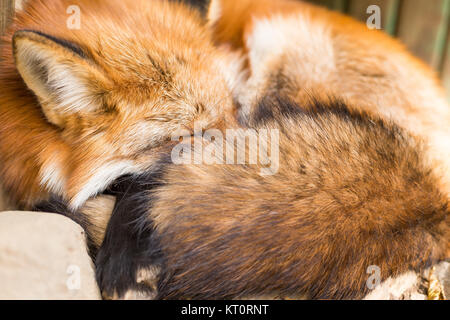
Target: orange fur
{"points": [[149, 70], [295, 49], [82, 107]]}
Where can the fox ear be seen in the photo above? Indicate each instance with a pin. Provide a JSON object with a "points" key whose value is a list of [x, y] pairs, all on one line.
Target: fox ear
{"points": [[59, 73]]}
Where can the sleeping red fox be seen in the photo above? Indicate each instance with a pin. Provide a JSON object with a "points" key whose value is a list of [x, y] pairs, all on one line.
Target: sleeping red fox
{"points": [[81, 107], [119, 75], [84, 111]]}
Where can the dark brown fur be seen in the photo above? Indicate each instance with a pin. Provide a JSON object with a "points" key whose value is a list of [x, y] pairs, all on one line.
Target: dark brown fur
{"points": [[352, 191]]}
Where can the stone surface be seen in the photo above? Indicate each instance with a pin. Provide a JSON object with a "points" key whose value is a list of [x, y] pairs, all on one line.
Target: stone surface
{"points": [[44, 256]]}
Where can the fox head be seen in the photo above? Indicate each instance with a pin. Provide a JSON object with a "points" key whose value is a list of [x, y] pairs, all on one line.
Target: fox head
{"points": [[117, 94]]}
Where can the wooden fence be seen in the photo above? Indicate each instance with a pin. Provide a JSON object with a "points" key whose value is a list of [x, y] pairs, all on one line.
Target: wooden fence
{"points": [[6, 13], [423, 25]]}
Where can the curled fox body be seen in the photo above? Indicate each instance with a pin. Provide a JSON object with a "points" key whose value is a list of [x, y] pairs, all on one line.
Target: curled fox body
{"points": [[95, 109], [296, 49], [352, 191]]}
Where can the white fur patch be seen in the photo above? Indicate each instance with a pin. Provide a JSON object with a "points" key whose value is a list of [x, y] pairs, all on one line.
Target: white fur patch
{"points": [[101, 179], [71, 94], [309, 42], [214, 11], [231, 67], [149, 276], [395, 288], [52, 178], [297, 43], [55, 83], [19, 4]]}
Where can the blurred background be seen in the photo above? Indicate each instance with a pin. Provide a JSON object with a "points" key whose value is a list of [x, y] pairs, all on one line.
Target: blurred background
{"points": [[422, 25]]}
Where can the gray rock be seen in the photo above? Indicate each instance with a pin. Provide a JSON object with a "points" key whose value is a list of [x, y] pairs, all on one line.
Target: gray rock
{"points": [[44, 256]]}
